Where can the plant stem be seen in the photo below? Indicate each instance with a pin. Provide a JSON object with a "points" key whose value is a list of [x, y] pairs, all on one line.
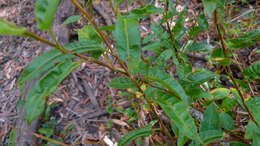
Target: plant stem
{"points": [[170, 32], [229, 72], [121, 63], [36, 37]]}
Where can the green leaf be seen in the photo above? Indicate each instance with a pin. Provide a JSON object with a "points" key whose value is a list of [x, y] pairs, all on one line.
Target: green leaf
{"points": [[179, 28], [202, 19], [152, 46], [222, 61], [209, 136], [89, 33], [117, 2], [226, 121], [220, 93], [166, 81], [177, 132], [211, 119], [45, 12], [128, 41], [179, 114], [195, 31], [228, 104], [210, 129], [210, 6], [254, 106], [47, 60], [246, 40], [253, 71], [47, 131], [199, 77], [164, 56], [8, 28], [121, 83], [37, 95], [71, 19], [148, 10], [12, 138], [237, 144], [205, 47], [253, 132], [197, 93], [132, 135], [144, 12]]}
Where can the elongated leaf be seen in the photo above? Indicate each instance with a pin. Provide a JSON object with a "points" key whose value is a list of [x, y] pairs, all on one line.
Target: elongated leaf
{"points": [[147, 10], [220, 93], [179, 28], [164, 56], [45, 11], [166, 81], [179, 114], [182, 139], [253, 71], [197, 78], [254, 106], [210, 6], [203, 22], [228, 104], [71, 19], [37, 95], [88, 33], [12, 138], [152, 46], [132, 135], [205, 47], [226, 121], [209, 136], [237, 144], [210, 129], [245, 40], [8, 28], [211, 119], [128, 40], [253, 132], [47, 60], [121, 83], [175, 87]]}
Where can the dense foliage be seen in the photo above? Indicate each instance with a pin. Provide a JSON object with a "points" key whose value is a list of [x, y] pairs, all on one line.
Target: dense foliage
{"points": [[166, 80]]}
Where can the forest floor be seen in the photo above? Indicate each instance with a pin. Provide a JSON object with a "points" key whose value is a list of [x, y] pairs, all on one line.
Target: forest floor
{"points": [[77, 118]]}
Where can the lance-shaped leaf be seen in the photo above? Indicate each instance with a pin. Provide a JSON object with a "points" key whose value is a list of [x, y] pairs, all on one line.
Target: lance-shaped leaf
{"points": [[132, 135], [88, 33], [47, 60], [226, 121], [71, 19], [210, 6], [254, 106], [121, 83], [252, 132], [45, 12], [8, 28], [37, 95], [253, 71], [166, 81], [12, 138], [246, 40], [210, 129], [128, 40], [179, 114]]}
